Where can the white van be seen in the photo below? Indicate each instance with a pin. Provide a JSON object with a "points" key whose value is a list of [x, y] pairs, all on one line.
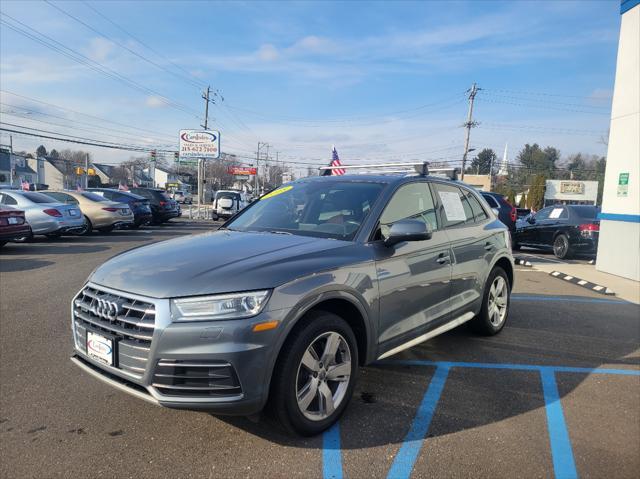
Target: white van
{"points": [[227, 203]]}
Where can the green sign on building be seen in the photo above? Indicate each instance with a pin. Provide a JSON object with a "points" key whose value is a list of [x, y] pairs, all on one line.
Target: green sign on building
{"points": [[623, 185]]}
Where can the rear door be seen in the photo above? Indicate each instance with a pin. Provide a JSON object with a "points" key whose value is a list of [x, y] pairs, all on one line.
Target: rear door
{"points": [[472, 245], [413, 277]]}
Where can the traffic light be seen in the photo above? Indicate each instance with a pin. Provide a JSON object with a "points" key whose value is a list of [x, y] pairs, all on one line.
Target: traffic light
{"points": [[176, 156], [153, 155], [91, 172], [79, 171]]}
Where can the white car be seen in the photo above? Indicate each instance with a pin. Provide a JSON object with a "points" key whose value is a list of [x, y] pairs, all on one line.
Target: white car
{"points": [[182, 197], [227, 203]]}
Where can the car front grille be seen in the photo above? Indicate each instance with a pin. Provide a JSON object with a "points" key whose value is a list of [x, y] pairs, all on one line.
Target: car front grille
{"points": [[130, 321], [198, 378]]}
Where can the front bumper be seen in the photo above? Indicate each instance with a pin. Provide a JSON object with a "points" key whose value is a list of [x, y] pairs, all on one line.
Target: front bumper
{"points": [[228, 350]]}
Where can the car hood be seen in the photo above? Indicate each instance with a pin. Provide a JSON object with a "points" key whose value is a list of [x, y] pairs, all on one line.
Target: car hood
{"points": [[222, 262]]}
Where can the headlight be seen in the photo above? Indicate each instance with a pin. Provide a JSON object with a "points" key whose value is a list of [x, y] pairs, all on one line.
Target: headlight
{"points": [[223, 306]]}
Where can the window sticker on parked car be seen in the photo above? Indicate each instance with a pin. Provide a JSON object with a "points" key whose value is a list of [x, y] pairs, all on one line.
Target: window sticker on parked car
{"points": [[277, 192], [556, 213], [452, 206]]}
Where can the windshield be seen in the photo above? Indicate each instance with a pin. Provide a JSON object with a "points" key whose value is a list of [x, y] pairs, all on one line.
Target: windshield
{"points": [[39, 198], [318, 208], [93, 196]]}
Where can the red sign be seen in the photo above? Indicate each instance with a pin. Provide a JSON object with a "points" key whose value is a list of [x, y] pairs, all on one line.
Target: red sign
{"points": [[241, 170]]}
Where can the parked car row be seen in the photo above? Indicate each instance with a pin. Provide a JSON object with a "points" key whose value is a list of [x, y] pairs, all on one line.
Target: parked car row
{"points": [[54, 213]]}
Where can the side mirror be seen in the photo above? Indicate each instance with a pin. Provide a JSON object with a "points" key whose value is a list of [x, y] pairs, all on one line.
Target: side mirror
{"points": [[408, 230], [496, 211], [531, 219]]}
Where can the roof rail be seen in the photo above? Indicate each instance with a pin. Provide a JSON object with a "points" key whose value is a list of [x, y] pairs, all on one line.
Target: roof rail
{"points": [[422, 168]]}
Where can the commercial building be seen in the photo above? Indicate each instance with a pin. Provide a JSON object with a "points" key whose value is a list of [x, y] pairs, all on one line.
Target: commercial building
{"points": [[570, 192], [619, 244]]}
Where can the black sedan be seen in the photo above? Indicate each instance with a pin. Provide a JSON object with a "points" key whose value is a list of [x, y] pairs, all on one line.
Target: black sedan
{"points": [[564, 229]]}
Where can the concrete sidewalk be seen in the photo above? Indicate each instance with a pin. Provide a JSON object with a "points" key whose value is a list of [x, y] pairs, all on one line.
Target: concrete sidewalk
{"points": [[623, 288]]}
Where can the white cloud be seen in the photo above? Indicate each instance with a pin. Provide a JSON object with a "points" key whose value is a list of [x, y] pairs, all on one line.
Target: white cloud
{"points": [[153, 101], [100, 49]]}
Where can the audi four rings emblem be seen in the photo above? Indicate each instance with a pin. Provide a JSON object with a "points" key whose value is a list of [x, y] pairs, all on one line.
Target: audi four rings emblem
{"points": [[106, 309]]}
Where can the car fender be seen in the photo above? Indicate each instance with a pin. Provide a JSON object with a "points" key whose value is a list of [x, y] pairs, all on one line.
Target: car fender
{"points": [[311, 299]]}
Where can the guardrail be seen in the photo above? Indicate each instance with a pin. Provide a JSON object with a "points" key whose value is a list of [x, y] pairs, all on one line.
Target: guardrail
{"points": [[202, 212]]}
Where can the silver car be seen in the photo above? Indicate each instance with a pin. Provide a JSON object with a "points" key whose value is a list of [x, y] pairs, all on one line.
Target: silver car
{"points": [[290, 297], [47, 216]]}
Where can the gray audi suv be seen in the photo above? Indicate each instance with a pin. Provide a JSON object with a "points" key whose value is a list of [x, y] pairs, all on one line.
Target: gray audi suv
{"points": [[282, 304]]}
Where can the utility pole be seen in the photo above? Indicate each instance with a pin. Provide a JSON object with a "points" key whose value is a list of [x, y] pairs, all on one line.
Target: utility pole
{"points": [[11, 160], [205, 97], [86, 171], [468, 125], [491, 174], [261, 144]]}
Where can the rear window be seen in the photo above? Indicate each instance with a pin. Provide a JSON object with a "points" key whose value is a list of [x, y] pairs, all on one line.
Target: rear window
{"points": [[586, 212], [93, 196], [39, 198], [228, 195]]}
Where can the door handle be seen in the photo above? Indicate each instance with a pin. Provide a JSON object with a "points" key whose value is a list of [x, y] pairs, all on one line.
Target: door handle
{"points": [[488, 246], [443, 258]]}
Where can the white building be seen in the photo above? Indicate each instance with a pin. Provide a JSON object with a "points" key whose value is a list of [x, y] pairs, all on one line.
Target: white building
{"points": [[570, 192], [619, 244]]}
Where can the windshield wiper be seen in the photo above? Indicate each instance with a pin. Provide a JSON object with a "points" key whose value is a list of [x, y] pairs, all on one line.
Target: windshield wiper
{"points": [[278, 232]]}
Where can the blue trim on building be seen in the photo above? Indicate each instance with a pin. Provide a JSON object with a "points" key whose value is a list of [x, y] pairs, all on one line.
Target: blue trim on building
{"points": [[626, 5], [617, 217]]}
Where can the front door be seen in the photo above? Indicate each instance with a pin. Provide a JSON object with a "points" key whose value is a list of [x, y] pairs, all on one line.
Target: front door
{"points": [[413, 277]]}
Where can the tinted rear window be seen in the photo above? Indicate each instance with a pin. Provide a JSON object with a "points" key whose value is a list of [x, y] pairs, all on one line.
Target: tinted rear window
{"points": [[586, 212], [39, 198], [230, 196]]}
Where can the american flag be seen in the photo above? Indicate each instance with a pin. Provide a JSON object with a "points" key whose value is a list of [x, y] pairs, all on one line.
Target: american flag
{"points": [[335, 161], [79, 186], [25, 185], [122, 187]]}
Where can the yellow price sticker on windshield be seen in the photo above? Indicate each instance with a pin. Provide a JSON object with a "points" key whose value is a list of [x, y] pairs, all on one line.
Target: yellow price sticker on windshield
{"points": [[277, 192]]}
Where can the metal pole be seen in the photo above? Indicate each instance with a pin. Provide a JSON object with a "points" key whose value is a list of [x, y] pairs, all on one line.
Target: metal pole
{"points": [[255, 193], [469, 124], [491, 174], [11, 160], [200, 160], [86, 171]]}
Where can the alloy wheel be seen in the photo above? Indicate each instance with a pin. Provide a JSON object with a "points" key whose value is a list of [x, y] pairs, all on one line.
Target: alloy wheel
{"points": [[560, 247], [498, 301], [323, 376]]}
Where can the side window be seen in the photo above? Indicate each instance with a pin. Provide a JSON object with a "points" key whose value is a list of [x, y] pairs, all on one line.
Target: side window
{"points": [[479, 214], [491, 200], [7, 200], [455, 210], [64, 198], [543, 214], [410, 201]]}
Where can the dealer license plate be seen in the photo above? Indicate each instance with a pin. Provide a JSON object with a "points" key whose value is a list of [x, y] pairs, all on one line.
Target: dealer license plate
{"points": [[100, 348], [12, 221]]}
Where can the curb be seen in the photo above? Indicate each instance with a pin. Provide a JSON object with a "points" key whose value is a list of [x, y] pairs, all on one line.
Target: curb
{"points": [[584, 283], [523, 262]]}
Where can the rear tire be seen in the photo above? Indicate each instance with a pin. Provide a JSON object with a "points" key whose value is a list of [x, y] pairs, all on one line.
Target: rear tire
{"points": [[315, 374], [87, 227], [495, 304], [562, 247]]}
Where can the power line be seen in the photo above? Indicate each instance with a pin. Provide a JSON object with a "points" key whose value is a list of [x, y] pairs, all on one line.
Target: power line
{"points": [[91, 64], [486, 100], [196, 81]]}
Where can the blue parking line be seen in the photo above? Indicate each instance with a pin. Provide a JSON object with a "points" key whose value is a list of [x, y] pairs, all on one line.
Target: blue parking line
{"points": [[561, 451], [408, 453], [331, 453], [566, 299], [520, 367], [564, 466]]}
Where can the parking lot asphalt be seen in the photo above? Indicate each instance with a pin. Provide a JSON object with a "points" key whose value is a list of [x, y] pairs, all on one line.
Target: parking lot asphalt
{"points": [[556, 393]]}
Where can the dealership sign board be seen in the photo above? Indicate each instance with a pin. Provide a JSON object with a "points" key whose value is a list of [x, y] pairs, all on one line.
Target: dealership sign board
{"points": [[572, 187], [241, 170], [199, 144]]}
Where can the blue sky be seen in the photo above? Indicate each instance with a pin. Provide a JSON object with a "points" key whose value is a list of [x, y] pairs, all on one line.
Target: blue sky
{"points": [[380, 80]]}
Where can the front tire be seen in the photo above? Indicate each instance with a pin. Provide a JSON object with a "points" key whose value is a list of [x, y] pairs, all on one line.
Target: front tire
{"points": [[495, 304], [315, 374]]}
